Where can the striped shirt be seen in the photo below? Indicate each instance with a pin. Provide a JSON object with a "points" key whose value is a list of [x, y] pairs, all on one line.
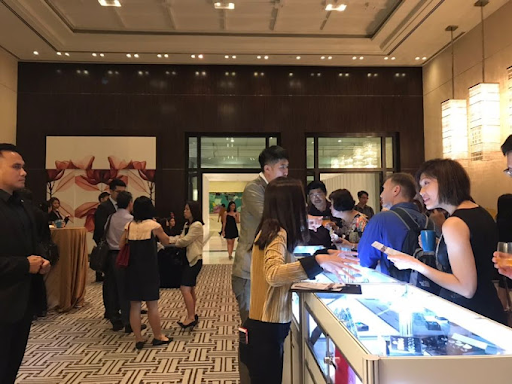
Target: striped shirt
{"points": [[273, 271]]}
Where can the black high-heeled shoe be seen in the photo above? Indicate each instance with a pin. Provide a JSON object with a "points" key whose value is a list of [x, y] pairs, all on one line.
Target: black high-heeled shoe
{"points": [[162, 342], [139, 345], [190, 325], [197, 318]]}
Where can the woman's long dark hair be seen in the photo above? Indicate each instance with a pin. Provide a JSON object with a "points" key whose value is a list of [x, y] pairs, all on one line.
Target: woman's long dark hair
{"points": [[284, 207], [229, 206], [504, 218], [195, 210]]}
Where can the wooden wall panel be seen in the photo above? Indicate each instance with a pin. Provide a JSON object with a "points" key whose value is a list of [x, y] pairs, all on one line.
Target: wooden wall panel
{"points": [[148, 100]]}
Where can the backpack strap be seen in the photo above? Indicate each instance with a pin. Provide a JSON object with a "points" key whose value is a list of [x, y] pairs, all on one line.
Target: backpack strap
{"points": [[406, 217]]}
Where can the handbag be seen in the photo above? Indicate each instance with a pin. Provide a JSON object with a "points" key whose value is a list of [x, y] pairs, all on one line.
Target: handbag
{"points": [[50, 251], [99, 255], [123, 257]]}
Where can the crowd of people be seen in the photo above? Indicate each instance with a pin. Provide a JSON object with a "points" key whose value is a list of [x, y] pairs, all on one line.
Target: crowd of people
{"points": [[274, 218]]}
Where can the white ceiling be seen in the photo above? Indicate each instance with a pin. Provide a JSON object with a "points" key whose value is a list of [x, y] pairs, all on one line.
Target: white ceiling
{"points": [[281, 29]]}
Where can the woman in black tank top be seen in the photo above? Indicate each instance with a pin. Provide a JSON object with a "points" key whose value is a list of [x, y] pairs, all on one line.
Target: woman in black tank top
{"points": [[467, 244]]}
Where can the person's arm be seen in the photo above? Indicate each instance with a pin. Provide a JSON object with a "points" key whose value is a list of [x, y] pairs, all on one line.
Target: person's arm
{"points": [[463, 279], [124, 237], [100, 218], [162, 236], [253, 200], [195, 231], [224, 220], [369, 256], [237, 218]]}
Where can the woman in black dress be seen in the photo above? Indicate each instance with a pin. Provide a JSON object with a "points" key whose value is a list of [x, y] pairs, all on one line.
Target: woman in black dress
{"points": [[229, 228], [469, 237], [142, 277], [54, 213]]}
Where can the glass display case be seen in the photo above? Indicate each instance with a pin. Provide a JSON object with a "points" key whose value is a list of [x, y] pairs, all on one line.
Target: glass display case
{"points": [[395, 333]]}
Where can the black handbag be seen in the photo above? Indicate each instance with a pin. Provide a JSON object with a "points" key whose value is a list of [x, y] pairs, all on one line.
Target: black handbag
{"points": [[99, 255]]}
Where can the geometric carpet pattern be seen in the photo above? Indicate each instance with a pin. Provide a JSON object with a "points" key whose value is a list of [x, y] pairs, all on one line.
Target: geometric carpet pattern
{"points": [[79, 346]]}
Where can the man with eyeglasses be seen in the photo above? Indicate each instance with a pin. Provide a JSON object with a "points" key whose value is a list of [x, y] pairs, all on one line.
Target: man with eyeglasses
{"points": [[319, 209]]}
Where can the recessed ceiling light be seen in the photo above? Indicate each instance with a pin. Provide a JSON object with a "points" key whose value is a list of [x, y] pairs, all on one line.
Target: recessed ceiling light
{"points": [[424, 58], [102, 55], [109, 3], [128, 55], [197, 73], [58, 53], [203, 73], [233, 73], [322, 58], [35, 53], [166, 55], [262, 74], [417, 58], [200, 56], [222, 5], [266, 57], [332, 7], [361, 57], [136, 55], [258, 57], [193, 56], [386, 58], [95, 54], [298, 57], [329, 58], [256, 74], [67, 54], [290, 74], [159, 55], [226, 56], [354, 58], [393, 58], [339, 141], [233, 57]]}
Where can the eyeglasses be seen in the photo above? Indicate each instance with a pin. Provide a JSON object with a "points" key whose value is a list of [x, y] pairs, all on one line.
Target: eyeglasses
{"points": [[508, 172], [321, 194]]}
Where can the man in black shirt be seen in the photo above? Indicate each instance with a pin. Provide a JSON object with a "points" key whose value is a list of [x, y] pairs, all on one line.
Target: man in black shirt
{"points": [[320, 208], [18, 264]]}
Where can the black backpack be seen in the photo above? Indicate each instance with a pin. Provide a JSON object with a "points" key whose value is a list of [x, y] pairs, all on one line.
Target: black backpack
{"points": [[410, 244]]}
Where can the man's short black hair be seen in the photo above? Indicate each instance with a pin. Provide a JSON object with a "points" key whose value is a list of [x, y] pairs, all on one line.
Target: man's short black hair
{"points": [[507, 146], [8, 147], [103, 195], [316, 184], [272, 155], [116, 183], [123, 199], [361, 193]]}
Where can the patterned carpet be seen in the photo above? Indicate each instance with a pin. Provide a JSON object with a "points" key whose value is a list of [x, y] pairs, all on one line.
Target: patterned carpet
{"points": [[80, 347]]}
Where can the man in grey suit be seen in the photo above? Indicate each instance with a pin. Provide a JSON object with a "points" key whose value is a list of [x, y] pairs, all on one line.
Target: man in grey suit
{"points": [[274, 163]]}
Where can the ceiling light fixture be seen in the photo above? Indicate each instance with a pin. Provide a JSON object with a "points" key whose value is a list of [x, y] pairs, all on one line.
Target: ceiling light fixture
{"points": [[298, 57], [35, 53], [58, 53], [94, 54], [233, 57], [109, 3], [200, 56], [361, 57], [166, 55], [329, 58], [393, 58], [354, 58], [136, 55], [159, 55], [129, 55], [322, 58], [417, 58], [258, 57], [333, 7], [66, 54], [222, 5], [102, 55], [266, 57], [226, 56], [193, 56], [424, 58]]}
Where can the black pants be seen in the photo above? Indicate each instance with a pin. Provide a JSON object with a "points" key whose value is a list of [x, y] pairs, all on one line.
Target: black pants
{"points": [[263, 355], [12, 347], [117, 306]]}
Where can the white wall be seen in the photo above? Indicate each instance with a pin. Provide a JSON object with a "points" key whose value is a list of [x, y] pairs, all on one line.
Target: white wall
{"points": [[355, 182], [488, 181], [227, 186], [8, 96]]}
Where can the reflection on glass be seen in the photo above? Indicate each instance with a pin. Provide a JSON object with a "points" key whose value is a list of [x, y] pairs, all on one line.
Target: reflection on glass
{"points": [[349, 152], [193, 185], [393, 320], [310, 152], [231, 152], [272, 141], [309, 179], [389, 152], [296, 307], [192, 152]]}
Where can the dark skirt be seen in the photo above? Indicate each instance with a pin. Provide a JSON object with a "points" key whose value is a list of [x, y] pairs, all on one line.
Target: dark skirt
{"points": [[189, 274], [142, 277]]}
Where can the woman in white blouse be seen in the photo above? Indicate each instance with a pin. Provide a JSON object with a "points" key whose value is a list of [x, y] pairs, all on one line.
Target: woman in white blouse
{"points": [[191, 238]]}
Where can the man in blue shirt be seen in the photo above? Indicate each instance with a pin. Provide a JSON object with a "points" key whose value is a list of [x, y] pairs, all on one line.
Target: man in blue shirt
{"points": [[387, 227]]}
